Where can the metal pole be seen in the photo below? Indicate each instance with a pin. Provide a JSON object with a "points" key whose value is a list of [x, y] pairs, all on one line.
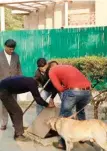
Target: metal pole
{"points": [[66, 13], [2, 18], [34, 100]]}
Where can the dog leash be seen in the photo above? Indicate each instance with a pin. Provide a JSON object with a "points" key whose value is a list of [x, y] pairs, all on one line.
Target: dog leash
{"points": [[76, 113], [34, 100]]}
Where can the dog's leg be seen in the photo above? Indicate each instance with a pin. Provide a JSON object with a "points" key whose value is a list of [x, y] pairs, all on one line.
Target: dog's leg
{"points": [[69, 145], [101, 140], [102, 150], [103, 146]]}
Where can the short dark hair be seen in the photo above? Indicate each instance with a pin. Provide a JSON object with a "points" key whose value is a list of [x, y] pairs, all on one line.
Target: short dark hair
{"points": [[49, 66], [41, 62], [51, 62], [10, 43]]}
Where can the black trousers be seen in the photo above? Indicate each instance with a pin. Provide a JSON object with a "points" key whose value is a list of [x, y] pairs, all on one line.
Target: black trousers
{"points": [[14, 111]]}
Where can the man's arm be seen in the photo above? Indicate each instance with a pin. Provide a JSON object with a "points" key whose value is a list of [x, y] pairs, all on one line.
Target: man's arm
{"points": [[34, 90], [54, 92], [56, 81]]}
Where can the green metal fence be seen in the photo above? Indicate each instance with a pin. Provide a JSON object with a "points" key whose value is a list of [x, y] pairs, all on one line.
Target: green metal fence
{"points": [[59, 43]]}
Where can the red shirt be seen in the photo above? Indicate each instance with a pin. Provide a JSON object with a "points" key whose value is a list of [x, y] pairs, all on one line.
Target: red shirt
{"points": [[66, 76]]}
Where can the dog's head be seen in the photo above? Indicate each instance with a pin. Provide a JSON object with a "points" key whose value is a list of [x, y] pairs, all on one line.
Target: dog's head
{"points": [[52, 123]]}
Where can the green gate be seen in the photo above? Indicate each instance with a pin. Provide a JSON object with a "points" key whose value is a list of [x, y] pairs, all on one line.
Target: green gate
{"points": [[56, 43]]}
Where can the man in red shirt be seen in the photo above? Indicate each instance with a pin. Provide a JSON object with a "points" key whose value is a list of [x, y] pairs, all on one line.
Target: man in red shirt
{"points": [[75, 89]]}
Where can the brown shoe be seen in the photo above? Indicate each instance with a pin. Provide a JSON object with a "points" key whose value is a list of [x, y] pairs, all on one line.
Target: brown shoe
{"points": [[21, 138], [3, 128], [25, 128]]}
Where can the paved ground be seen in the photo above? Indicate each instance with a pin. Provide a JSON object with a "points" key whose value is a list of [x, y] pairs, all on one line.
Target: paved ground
{"points": [[7, 142]]}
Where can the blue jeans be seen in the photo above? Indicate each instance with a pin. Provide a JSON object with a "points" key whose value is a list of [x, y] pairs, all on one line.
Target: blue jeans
{"points": [[72, 98]]}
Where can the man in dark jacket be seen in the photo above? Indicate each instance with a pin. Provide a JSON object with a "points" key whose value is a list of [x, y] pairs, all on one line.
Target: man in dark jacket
{"points": [[18, 85], [41, 77]]}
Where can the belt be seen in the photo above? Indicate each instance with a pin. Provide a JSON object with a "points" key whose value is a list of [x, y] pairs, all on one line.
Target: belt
{"points": [[87, 88]]}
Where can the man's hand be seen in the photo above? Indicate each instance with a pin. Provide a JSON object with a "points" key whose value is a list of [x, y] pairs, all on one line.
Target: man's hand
{"points": [[51, 103]]}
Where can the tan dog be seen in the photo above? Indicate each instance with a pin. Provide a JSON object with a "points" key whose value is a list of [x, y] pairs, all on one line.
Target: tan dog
{"points": [[75, 131]]}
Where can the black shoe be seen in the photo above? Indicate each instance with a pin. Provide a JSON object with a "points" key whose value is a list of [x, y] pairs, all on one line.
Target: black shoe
{"points": [[56, 145], [81, 142], [21, 138], [51, 133]]}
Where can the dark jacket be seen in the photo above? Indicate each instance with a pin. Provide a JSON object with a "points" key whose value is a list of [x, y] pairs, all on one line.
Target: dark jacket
{"points": [[22, 84], [7, 70], [42, 79]]}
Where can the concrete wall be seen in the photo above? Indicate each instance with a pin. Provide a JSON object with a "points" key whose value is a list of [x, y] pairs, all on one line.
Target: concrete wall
{"points": [[58, 16], [42, 19], [81, 14], [101, 12], [54, 15], [50, 17], [82, 5], [31, 21]]}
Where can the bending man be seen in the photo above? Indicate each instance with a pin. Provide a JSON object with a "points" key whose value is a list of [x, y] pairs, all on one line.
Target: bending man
{"points": [[18, 85], [75, 89]]}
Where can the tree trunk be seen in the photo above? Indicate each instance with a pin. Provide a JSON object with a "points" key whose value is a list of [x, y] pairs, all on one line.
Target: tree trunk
{"points": [[96, 106]]}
